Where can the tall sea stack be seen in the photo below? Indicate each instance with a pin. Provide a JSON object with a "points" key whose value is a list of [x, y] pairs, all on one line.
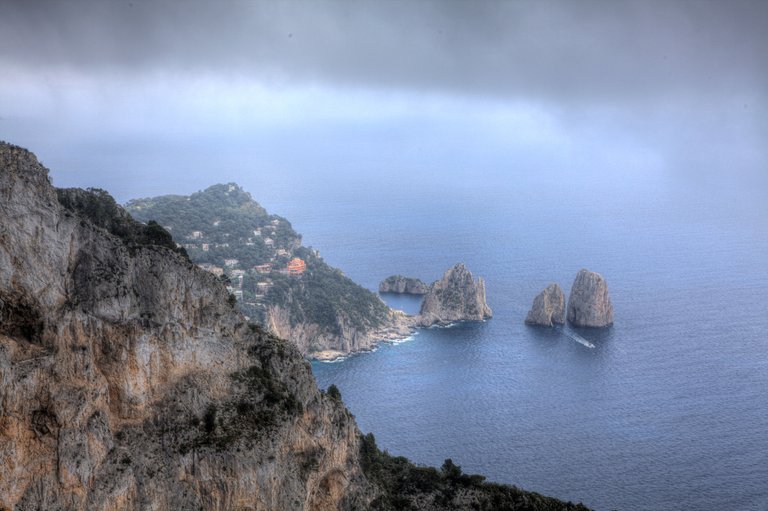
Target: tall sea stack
{"points": [[589, 304], [455, 297]]}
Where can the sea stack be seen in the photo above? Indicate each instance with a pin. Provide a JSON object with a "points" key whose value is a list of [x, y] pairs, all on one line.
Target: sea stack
{"points": [[403, 285], [548, 307], [455, 297], [589, 304]]}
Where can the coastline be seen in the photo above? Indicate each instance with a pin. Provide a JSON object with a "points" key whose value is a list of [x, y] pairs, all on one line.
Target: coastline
{"points": [[402, 332]]}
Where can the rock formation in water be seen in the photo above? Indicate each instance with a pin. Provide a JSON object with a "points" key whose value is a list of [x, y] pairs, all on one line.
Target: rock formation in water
{"points": [[403, 285], [589, 304], [548, 307], [129, 381], [455, 297]]}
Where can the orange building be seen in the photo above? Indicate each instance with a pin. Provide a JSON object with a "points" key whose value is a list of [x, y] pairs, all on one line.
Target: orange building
{"points": [[296, 266]]}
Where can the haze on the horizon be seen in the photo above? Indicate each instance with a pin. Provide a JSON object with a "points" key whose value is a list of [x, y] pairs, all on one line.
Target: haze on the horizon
{"points": [[143, 98]]}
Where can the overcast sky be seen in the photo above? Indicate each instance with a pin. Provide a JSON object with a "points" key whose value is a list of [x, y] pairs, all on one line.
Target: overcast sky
{"points": [[154, 97]]}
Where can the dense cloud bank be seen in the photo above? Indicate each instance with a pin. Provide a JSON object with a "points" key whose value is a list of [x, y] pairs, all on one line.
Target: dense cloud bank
{"points": [[633, 86], [555, 49]]}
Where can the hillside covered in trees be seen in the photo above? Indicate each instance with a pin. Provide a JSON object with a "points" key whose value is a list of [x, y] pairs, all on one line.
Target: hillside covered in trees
{"points": [[276, 281]]}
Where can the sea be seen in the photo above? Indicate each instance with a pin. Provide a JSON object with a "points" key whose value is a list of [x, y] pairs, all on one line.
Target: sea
{"points": [[666, 410]]}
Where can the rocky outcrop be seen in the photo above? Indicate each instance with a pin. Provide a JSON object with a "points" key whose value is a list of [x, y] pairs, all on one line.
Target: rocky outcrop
{"points": [[589, 304], [548, 307], [318, 343], [403, 285], [455, 297]]}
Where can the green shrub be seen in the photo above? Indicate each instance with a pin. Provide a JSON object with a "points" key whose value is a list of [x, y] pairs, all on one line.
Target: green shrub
{"points": [[209, 418], [334, 393]]}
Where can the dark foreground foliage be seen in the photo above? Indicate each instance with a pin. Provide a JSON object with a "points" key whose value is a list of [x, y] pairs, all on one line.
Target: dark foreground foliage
{"points": [[404, 486], [98, 206]]}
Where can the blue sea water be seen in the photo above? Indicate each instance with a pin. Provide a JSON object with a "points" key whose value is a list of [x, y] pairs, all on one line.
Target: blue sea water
{"points": [[669, 410]]}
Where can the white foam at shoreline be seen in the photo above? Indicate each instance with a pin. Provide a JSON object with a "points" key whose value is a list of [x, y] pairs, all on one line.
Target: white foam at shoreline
{"points": [[401, 341]]}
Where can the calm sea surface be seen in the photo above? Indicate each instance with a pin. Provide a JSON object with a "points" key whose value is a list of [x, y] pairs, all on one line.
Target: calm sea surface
{"points": [[669, 411]]}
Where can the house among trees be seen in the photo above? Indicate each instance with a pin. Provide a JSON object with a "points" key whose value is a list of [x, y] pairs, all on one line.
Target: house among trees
{"points": [[296, 266], [216, 270], [230, 262], [196, 235], [263, 268]]}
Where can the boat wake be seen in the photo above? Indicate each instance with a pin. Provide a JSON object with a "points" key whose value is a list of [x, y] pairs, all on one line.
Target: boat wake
{"points": [[575, 337]]}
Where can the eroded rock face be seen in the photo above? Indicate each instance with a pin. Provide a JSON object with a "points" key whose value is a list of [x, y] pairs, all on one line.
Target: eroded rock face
{"points": [[127, 381], [313, 341], [589, 304], [455, 297], [403, 285], [548, 307]]}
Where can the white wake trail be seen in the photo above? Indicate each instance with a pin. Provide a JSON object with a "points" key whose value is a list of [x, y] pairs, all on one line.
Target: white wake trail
{"points": [[576, 337]]}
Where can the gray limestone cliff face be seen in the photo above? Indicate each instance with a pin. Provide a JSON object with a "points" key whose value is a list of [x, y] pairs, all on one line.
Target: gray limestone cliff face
{"points": [[548, 307], [589, 304], [403, 285], [127, 380], [455, 297]]}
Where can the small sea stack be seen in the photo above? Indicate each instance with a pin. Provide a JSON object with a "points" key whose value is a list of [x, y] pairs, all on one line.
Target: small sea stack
{"points": [[589, 304], [548, 307], [403, 285]]}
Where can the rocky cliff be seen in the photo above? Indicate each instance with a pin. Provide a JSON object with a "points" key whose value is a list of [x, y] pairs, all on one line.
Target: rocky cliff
{"points": [[128, 381], [589, 304], [403, 285], [548, 307], [455, 297]]}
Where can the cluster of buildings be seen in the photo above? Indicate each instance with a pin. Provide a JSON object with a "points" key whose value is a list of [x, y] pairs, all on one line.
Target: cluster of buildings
{"points": [[232, 268]]}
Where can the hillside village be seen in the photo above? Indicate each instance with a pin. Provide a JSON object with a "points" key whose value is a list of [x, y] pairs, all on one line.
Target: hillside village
{"points": [[249, 283], [249, 251]]}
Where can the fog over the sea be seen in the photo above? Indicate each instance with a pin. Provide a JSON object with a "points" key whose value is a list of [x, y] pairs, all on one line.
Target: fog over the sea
{"points": [[143, 98]]}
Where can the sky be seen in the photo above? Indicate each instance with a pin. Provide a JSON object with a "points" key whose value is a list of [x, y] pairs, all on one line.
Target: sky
{"points": [[143, 98]]}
